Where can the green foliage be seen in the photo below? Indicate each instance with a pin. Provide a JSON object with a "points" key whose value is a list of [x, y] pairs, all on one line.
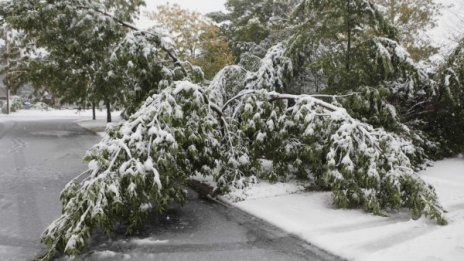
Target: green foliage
{"points": [[228, 83], [275, 71], [252, 22], [363, 145], [332, 36], [412, 19], [375, 107], [250, 62], [362, 166], [78, 37], [445, 114], [12, 59], [140, 165], [135, 67], [353, 49]]}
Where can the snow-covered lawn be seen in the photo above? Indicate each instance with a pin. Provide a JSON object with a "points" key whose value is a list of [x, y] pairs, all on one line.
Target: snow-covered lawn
{"points": [[27, 115], [98, 126], [82, 118], [356, 235]]}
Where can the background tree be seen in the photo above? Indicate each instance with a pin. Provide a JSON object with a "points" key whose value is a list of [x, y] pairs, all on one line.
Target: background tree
{"points": [[11, 55], [195, 37], [183, 26], [248, 23], [446, 113], [215, 52], [74, 41], [346, 48], [335, 38], [412, 19]]}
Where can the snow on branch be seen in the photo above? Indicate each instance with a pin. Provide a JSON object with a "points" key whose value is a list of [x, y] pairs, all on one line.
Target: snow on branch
{"points": [[142, 164], [362, 165], [151, 35]]}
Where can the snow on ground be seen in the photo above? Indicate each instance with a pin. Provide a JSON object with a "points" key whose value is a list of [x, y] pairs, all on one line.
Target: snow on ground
{"points": [[98, 126], [264, 189], [148, 241], [27, 115], [82, 118], [261, 189], [355, 235]]}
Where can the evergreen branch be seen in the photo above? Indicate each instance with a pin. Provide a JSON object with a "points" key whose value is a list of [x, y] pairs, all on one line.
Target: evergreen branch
{"points": [[142, 32]]}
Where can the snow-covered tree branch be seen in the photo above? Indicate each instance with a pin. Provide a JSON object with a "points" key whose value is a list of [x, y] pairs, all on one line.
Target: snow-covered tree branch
{"points": [[142, 164], [332, 99]]}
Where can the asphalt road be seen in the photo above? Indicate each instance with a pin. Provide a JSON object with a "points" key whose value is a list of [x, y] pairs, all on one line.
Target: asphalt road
{"points": [[37, 158]]}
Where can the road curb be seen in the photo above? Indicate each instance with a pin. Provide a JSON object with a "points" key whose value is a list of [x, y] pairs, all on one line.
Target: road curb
{"points": [[206, 192]]}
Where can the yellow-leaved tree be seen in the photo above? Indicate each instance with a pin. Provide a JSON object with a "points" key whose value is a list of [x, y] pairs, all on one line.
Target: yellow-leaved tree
{"points": [[196, 38], [412, 19]]}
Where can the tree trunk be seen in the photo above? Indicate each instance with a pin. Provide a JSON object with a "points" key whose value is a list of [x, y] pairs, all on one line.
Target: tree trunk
{"points": [[7, 100], [348, 81], [348, 32], [317, 83], [7, 47], [108, 110], [94, 115], [392, 11]]}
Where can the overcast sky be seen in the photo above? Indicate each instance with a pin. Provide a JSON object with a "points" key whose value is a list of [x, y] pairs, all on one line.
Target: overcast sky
{"points": [[202, 6]]}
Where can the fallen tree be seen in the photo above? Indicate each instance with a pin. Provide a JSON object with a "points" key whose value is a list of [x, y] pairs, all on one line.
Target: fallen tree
{"points": [[142, 164]]}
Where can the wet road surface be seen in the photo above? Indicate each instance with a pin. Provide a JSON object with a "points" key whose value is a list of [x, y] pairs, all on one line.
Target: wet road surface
{"points": [[37, 158], [204, 230]]}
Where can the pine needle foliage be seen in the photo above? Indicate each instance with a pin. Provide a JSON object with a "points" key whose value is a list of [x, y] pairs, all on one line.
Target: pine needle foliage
{"points": [[361, 139], [142, 164]]}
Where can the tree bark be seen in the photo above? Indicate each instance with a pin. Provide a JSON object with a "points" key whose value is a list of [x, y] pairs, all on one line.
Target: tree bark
{"points": [[348, 81], [7, 100], [7, 46], [108, 110], [94, 116], [348, 32], [392, 11]]}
